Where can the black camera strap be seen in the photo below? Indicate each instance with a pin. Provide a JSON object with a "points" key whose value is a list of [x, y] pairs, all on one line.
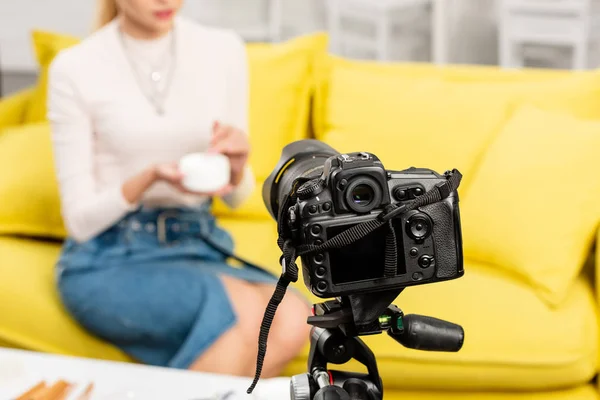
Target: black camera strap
{"points": [[291, 253]]}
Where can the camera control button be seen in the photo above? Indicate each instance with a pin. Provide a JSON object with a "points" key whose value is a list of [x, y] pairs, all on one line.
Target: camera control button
{"points": [[342, 184], [322, 286], [312, 209], [417, 191], [425, 261], [400, 194], [418, 227], [326, 206], [414, 252], [315, 230], [321, 271], [319, 258], [417, 276]]}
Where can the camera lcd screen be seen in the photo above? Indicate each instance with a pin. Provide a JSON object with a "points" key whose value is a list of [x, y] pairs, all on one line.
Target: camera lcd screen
{"points": [[363, 259]]}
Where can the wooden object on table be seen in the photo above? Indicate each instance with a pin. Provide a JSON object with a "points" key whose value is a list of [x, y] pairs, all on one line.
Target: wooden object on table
{"points": [[59, 391], [86, 395], [33, 392]]}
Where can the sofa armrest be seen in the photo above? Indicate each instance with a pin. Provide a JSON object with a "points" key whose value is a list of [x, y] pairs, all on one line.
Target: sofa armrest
{"points": [[13, 107]]}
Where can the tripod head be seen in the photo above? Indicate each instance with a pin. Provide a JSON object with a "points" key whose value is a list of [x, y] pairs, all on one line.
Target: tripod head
{"points": [[335, 339], [412, 331]]}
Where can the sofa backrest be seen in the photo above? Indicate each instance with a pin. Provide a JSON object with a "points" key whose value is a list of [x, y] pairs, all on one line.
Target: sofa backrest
{"points": [[517, 137]]}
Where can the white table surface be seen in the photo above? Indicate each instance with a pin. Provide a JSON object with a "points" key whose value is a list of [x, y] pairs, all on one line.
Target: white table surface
{"points": [[21, 370]]}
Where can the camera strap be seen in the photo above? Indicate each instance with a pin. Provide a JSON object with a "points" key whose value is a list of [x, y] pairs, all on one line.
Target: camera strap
{"points": [[291, 253]]}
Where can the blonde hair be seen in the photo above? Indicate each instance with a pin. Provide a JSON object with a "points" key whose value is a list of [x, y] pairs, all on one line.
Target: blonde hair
{"points": [[106, 11]]}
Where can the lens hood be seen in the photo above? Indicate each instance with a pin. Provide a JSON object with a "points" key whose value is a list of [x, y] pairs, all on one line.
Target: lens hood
{"points": [[291, 154]]}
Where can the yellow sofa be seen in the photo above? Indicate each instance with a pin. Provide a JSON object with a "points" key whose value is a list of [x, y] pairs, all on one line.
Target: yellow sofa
{"points": [[526, 142]]}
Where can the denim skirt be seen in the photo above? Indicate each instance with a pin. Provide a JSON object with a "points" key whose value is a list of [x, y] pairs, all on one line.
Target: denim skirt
{"points": [[150, 284]]}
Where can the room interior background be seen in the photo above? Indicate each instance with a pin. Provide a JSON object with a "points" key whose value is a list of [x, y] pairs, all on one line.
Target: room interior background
{"points": [[472, 29]]}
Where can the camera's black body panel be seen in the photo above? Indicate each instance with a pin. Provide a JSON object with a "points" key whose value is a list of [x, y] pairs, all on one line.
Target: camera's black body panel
{"points": [[355, 188]]}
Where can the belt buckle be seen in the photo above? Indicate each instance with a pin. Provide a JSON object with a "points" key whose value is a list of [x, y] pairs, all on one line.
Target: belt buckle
{"points": [[195, 219], [161, 224]]}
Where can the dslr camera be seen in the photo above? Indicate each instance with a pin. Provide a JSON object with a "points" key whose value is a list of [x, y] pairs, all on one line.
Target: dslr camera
{"points": [[340, 191], [364, 234]]}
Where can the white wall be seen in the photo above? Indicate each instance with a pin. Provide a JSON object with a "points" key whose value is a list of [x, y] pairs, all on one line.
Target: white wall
{"points": [[472, 24], [19, 17]]}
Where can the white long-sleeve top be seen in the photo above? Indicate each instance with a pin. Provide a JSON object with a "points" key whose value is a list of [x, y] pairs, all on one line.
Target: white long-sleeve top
{"points": [[105, 130]]}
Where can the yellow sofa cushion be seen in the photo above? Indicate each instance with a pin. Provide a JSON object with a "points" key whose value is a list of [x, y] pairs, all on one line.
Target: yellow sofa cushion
{"points": [[281, 86], [46, 45], [433, 121], [281, 89], [405, 122], [13, 108], [575, 90], [544, 347], [533, 207], [30, 309], [28, 188]]}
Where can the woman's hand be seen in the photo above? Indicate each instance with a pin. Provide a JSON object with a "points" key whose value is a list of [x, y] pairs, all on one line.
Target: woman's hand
{"points": [[171, 174], [234, 144], [226, 140]]}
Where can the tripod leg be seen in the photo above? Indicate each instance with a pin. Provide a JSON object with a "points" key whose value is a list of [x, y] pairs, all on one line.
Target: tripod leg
{"points": [[364, 355]]}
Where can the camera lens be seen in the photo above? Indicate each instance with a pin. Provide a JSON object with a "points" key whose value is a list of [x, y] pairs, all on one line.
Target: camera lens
{"points": [[301, 159], [363, 194]]}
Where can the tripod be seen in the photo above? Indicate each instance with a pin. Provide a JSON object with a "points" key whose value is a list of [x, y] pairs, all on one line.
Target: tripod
{"points": [[335, 339]]}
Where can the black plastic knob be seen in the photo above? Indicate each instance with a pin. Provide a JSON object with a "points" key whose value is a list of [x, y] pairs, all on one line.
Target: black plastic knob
{"points": [[332, 393], [400, 194], [310, 189], [425, 261]]}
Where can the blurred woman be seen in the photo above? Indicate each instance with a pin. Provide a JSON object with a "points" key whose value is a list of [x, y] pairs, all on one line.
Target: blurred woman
{"points": [[143, 266]]}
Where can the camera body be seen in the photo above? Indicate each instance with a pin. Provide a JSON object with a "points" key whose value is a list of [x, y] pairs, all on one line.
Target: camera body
{"points": [[354, 188]]}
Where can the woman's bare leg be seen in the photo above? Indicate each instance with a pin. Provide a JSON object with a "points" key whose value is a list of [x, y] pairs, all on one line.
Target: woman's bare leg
{"points": [[235, 352]]}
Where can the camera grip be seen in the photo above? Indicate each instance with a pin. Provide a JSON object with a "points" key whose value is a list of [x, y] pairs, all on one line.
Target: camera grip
{"points": [[447, 238]]}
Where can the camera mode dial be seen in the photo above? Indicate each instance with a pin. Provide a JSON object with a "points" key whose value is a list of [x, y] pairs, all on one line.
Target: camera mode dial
{"points": [[310, 189]]}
